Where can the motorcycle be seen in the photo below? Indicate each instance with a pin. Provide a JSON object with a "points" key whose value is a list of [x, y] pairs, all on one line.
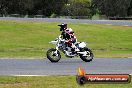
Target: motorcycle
{"points": [[54, 55]]}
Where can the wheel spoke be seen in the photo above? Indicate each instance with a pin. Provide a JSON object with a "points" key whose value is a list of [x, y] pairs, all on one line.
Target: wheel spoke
{"points": [[53, 55]]}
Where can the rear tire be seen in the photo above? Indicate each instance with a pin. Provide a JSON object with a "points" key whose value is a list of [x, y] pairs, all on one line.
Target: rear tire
{"points": [[52, 56], [87, 58]]}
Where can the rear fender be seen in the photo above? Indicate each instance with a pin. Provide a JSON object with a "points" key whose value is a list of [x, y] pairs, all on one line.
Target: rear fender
{"points": [[82, 45], [53, 42]]}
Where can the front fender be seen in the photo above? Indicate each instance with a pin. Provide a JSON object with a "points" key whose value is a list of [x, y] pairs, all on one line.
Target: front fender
{"points": [[53, 42]]}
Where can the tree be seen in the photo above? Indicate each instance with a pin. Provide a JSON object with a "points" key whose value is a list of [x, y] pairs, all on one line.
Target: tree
{"points": [[4, 7], [77, 8], [31, 7], [112, 7], [49, 7], [15, 6], [130, 9]]}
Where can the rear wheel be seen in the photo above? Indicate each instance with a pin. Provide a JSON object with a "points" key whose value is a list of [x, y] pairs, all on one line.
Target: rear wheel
{"points": [[88, 57], [53, 55]]}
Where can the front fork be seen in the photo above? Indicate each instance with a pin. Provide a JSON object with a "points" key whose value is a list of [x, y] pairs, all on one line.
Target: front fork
{"points": [[56, 51]]}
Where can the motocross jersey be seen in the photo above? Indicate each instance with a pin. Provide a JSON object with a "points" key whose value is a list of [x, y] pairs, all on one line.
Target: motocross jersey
{"points": [[65, 34], [68, 34]]}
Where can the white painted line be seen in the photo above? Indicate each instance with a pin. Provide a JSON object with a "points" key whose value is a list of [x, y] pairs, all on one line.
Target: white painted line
{"points": [[108, 24], [129, 57], [125, 25], [29, 75], [41, 75]]}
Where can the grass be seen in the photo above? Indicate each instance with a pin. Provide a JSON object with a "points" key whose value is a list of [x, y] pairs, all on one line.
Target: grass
{"points": [[30, 39], [51, 82]]}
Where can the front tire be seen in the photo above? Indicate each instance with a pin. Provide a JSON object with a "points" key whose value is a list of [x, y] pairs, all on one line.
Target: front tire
{"points": [[52, 56], [89, 56]]}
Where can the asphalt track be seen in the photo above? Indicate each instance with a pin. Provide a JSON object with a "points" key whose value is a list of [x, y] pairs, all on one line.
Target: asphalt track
{"points": [[42, 67], [39, 67], [84, 21]]}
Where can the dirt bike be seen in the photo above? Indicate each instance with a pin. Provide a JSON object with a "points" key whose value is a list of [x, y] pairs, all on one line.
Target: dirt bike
{"points": [[54, 55]]}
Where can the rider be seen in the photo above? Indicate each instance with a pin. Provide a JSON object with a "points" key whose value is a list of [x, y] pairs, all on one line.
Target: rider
{"points": [[68, 35]]}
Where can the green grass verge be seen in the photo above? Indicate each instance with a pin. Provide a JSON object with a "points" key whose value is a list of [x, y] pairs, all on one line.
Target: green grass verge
{"points": [[30, 39], [51, 82]]}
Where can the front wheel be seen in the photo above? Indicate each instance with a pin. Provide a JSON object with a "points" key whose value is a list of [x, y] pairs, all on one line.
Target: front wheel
{"points": [[53, 55], [88, 57]]}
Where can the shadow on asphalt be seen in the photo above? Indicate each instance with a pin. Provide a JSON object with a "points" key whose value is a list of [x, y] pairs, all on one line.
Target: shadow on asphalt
{"points": [[68, 61]]}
